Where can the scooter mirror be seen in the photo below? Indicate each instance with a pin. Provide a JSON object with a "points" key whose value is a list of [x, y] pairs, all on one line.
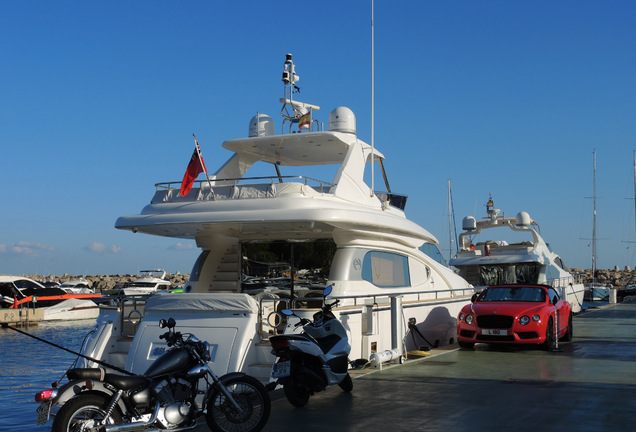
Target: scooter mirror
{"points": [[171, 323], [327, 291], [163, 323], [287, 312]]}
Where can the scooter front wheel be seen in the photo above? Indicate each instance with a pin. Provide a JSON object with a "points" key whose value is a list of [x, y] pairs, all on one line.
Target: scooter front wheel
{"points": [[250, 395], [346, 384], [84, 413], [295, 394]]}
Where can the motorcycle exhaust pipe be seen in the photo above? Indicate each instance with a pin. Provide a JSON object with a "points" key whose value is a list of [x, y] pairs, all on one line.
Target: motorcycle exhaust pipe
{"points": [[135, 426]]}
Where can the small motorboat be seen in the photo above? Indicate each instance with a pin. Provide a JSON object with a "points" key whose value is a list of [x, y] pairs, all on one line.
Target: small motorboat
{"points": [[20, 292]]}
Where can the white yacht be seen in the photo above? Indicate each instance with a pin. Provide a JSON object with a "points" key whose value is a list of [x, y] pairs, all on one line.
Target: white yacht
{"points": [[77, 286], [510, 250], [149, 282], [304, 234]]}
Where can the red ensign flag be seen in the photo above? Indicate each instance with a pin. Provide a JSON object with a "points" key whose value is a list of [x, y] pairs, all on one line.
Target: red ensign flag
{"points": [[195, 167]]}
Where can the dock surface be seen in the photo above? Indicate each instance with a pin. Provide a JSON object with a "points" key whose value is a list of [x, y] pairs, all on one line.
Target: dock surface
{"points": [[588, 385]]}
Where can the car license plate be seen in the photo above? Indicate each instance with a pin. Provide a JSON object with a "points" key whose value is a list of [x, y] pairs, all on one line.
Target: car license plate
{"points": [[43, 412], [494, 332], [281, 369]]}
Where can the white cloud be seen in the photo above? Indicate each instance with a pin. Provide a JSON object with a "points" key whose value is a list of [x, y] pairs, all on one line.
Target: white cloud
{"points": [[181, 246], [100, 248], [25, 248]]}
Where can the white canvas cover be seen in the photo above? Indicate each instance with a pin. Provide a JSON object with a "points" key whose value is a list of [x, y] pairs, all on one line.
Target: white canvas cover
{"points": [[230, 302]]}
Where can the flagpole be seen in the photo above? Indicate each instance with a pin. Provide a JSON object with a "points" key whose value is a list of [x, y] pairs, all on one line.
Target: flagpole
{"points": [[207, 177]]}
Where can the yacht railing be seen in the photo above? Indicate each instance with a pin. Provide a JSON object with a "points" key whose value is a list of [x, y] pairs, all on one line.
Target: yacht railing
{"points": [[319, 185], [275, 305]]}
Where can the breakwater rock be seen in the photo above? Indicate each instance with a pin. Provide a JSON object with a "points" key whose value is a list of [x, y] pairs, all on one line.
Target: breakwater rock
{"points": [[102, 283], [617, 278]]}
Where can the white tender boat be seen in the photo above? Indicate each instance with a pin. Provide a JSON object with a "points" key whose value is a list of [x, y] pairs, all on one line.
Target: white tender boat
{"points": [[510, 250], [370, 252]]}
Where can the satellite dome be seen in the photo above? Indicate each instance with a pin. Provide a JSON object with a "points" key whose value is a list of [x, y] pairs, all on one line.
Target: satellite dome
{"points": [[261, 125], [469, 223], [523, 219], [342, 119]]}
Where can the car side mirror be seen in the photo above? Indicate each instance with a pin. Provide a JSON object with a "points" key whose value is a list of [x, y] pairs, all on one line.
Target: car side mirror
{"points": [[474, 297], [555, 299]]}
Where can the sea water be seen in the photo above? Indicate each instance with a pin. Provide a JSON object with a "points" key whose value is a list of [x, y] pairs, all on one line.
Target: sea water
{"points": [[28, 366]]}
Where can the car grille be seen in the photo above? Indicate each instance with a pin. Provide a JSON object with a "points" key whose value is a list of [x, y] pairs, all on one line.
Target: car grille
{"points": [[495, 321]]}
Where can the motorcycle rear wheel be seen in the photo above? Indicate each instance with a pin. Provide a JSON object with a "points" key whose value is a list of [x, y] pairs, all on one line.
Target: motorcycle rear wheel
{"points": [[250, 394], [346, 384], [82, 412], [295, 394]]}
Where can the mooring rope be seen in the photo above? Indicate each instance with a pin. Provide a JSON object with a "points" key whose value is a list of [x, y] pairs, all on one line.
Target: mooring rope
{"points": [[103, 363]]}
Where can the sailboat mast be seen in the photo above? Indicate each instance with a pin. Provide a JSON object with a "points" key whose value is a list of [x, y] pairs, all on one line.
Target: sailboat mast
{"points": [[594, 224], [450, 223]]}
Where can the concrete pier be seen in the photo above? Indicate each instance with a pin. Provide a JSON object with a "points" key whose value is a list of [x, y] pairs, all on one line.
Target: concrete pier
{"points": [[23, 316], [588, 385]]}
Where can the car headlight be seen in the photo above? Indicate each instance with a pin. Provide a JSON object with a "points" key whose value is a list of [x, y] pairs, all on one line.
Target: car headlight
{"points": [[461, 316], [524, 320], [469, 319], [536, 318]]}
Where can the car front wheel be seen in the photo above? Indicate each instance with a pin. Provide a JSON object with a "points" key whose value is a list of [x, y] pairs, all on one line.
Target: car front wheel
{"points": [[549, 335]]}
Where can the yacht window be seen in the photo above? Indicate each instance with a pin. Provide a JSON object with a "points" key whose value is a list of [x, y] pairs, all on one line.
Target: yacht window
{"points": [[433, 251], [552, 273], [386, 269], [24, 284], [520, 273]]}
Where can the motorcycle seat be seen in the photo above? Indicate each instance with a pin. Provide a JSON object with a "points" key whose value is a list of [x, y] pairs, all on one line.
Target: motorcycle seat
{"points": [[99, 374], [126, 382]]}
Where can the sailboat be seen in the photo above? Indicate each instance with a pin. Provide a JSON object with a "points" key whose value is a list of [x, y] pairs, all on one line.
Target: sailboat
{"points": [[595, 291]]}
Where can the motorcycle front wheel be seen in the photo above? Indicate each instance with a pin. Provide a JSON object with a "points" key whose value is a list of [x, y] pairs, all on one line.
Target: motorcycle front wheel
{"points": [[84, 413], [250, 395]]}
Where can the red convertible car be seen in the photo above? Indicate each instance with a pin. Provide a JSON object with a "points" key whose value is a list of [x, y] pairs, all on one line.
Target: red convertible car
{"points": [[515, 314]]}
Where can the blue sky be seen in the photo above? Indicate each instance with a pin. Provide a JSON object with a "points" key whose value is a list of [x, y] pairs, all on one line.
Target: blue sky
{"points": [[99, 101]]}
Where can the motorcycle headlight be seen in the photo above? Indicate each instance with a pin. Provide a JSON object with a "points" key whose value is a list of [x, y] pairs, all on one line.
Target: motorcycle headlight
{"points": [[469, 319], [524, 320], [205, 354]]}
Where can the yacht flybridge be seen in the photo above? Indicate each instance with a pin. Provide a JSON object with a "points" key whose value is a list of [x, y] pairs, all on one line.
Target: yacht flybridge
{"points": [[275, 242], [509, 251]]}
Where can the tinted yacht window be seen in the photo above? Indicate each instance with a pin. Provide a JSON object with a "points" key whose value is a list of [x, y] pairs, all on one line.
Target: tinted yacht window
{"points": [[386, 269]]}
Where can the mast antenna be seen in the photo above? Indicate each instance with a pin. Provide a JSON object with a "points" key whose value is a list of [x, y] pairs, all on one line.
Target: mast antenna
{"points": [[372, 102]]}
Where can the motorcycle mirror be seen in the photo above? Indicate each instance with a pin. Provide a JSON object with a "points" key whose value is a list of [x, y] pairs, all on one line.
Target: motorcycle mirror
{"points": [[171, 323], [163, 323], [287, 312], [327, 291]]}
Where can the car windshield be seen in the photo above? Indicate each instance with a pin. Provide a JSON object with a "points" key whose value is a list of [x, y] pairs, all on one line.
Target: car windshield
{"points": [[520, 294]]}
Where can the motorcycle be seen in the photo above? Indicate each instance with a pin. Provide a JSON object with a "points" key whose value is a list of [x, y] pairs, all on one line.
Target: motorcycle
{"points": [[163, 398], [314, 359]]}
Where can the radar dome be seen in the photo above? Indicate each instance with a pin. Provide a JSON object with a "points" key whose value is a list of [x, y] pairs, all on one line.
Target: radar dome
{"points": [[523, 219], [469, 223], [342, 119], [261, 125]]}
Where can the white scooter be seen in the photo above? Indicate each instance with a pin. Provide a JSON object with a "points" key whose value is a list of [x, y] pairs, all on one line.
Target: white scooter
{"points": [[314, 359]]}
